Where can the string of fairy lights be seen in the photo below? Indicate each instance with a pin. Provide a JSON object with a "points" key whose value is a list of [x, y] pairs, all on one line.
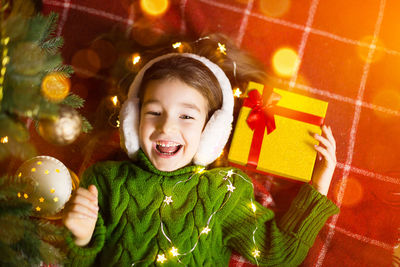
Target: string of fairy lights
{"points": [[174, 253]]}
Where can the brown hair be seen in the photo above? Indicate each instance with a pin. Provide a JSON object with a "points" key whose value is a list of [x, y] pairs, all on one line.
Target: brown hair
{"points": [[190, 71]]}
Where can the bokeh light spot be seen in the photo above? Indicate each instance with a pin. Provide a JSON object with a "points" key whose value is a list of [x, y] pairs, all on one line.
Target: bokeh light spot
{"points": [[285, 61], [363, 50], [154, 7], [353, 193], [274, 8], [86, 63]]}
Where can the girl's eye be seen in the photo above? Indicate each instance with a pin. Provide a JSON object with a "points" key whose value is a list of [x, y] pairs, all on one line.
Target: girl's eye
{"points": [[186, 117], [154, 113]]}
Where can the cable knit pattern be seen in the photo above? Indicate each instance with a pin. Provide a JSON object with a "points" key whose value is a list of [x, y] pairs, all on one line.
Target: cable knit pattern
{"points": [[136, 223]]}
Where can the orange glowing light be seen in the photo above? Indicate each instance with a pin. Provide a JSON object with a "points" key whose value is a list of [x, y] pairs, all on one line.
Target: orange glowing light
{"points": [[135, 59], [114, 99], [55, 86], [363, 49], [274, 8], [285, 62], [353, 193], [154, 7], [4, 140]]}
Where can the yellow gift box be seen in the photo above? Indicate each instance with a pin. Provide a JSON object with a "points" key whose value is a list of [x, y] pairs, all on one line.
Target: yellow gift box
{"points": [[277, 138]]}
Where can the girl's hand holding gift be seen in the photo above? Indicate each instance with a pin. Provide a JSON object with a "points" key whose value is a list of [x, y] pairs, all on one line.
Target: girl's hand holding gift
{"points": [[326, 160], [81, 214]]}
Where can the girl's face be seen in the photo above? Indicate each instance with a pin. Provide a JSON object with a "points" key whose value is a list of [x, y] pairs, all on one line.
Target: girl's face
{"points": [[172, 118]]}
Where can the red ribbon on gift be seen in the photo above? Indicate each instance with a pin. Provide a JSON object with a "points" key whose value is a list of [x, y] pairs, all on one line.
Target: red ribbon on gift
{"points": [[262, 116]]}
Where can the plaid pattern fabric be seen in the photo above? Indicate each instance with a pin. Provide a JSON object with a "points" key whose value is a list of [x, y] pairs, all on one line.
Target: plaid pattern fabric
{"points": [[349, 55]]}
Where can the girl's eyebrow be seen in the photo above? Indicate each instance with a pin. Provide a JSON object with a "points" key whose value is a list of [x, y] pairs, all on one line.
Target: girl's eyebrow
{"points": [[182, 104]]}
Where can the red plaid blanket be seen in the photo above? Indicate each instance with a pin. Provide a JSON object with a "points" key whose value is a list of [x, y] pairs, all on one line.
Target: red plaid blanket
{"points": [[348, 54]]}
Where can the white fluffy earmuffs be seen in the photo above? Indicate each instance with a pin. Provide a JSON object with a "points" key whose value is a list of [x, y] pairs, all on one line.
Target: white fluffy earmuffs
{"points": [[216, 132]]}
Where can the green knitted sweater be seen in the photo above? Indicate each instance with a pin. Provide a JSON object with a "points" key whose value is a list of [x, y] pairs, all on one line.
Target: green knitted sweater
{"points": [[190, 217]]}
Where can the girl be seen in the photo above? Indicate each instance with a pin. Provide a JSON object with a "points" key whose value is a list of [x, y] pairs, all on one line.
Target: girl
{"points": [[164, 207]]}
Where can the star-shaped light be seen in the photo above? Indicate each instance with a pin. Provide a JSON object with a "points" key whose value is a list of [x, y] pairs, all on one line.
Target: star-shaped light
{"points": [[205, 230], [222, 48], [41, 199], [231, 187], [174, 251], [161, 258], [176, 45], [256, 253], [55, 199], [46, 172], [237, 92], [38, 208], [229, 174], [168, 200]]}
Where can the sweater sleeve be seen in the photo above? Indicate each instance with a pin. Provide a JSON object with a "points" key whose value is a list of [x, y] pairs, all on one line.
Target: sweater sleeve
{"points": [[86, 256], [253, 231]]}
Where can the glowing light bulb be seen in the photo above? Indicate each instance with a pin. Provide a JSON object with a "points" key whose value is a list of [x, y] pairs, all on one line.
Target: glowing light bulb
{"points": [[135, 59], [114, 100], [52, 190], [174, 251], [237, 92], [46, 172], [19, 194], [205, 230], [55, 199], [256, 253], [4, 140], [161, 258], [285, 62], [20, 174], [26, 196], [176, 45], [253, 207], [168, 200], [33, 169], [222, 48], [200, 170], [231, 187]]}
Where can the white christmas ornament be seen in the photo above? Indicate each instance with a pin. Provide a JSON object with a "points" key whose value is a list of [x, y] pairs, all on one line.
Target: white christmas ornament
{"points": [[49, 184]]}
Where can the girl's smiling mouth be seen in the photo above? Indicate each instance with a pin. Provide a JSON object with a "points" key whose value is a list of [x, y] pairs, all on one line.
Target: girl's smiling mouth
{"points": [[167, 148]]}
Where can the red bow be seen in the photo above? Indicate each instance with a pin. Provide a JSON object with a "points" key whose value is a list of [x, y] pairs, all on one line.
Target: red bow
{"points": [[262, 115]]}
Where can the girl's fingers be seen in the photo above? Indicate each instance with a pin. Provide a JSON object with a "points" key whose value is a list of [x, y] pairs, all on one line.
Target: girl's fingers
{"points": [[87, 194], [78, 215], [329, 135], [324, 152], [85, 202], [326, 143], [79, 209]]}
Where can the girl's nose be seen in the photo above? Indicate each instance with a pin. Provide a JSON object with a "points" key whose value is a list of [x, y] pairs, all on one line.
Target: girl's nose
{"points": [[167, 125]]}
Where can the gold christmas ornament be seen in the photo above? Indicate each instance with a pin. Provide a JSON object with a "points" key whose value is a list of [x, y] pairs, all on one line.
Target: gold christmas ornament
{"points": [[55, 87], [64, 129], [49, 184]]}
